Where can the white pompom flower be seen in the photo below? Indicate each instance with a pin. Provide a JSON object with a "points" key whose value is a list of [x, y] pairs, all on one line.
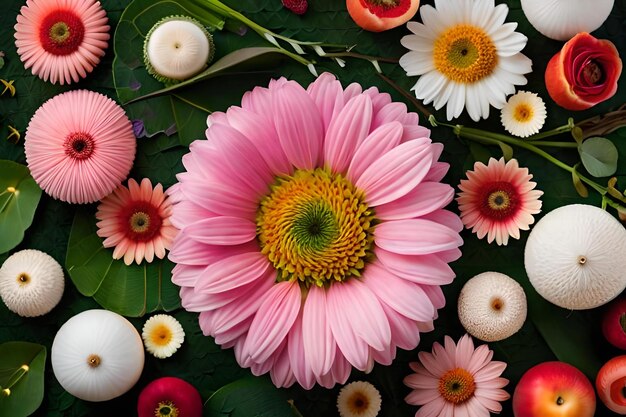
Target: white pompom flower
{"points": [[177, 48], [359, 399], [524, 114], [492, 306], [31, 283], [162, 335]]}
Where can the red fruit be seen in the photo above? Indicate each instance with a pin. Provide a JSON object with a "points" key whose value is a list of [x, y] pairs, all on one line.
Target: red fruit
{"points": [[614, 323], [610, 384], [584, 73], [380, 15], [296, 6], [169, 396]]}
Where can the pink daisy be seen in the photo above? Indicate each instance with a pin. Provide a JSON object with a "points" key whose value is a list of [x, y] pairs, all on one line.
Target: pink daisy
{"points": [[62, 40], [136, 221], [498, 200], [313, 235], [457, 380], [79, 146]]}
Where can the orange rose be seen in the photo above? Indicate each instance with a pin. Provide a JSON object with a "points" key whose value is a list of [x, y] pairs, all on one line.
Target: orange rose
{"points": [[584, 73]]}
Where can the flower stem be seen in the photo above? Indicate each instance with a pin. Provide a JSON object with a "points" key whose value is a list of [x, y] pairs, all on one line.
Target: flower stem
{"points": [[14, 379], [361, 56], [561, 129]]}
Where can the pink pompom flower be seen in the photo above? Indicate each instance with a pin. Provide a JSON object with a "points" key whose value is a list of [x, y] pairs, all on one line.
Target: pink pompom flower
{"points": [[136, 221], [498, 200], [61, 40], [313, 231], [456, 379], [169, 397], [79, 146]]}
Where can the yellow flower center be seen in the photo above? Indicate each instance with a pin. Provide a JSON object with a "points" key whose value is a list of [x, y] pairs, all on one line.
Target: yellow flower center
{"points": [[498, 200], [161, 335], [315, 227], [140, 222], [358, 403], [465, 54], [456, 385], [59, 32], [523, 113], [166, 409]]}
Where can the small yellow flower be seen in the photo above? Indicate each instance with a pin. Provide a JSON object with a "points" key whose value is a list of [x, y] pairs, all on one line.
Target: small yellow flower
{"points": [[8, 86], [162, 335], [14, 135]]}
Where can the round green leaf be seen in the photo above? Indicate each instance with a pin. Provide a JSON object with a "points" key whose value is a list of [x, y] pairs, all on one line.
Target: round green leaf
{"points": [[132, 290], [19, 196], [22, 367], [246, 397], [599, 156]]}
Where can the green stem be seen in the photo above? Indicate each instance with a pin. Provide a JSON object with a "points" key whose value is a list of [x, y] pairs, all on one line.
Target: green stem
{"points": [[361, 56], [561, 129], [14, 379], [8, 200], [549, 144]]}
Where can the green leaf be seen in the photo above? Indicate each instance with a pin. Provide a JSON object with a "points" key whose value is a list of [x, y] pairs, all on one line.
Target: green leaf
{"points": [[132, 290], [578, 184], [599, 156], [19, 197], [250, 396], [507, 151], [22, 368]]}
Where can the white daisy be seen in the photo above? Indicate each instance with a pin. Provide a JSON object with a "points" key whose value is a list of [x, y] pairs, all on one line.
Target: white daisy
{"points": [[466, 56], [162, 335], [524, 114], [31, 283], [359, 399]]}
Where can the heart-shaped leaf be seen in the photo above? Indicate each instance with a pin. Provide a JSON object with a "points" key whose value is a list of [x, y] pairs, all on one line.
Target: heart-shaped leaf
{"points": [[22, 368], [19, 197], [599, 156], [132, 290]]}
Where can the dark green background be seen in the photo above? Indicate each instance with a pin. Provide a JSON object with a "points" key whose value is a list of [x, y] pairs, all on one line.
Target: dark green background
{"points": [[548, 334]]}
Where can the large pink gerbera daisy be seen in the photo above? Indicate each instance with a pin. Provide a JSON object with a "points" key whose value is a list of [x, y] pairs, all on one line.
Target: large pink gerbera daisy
{"points": [[79, 146], [498, 200], [62, 40], [313, 235], [136, 221], [457, 380]]}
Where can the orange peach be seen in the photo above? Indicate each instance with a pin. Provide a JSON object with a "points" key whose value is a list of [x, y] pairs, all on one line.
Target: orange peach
{"points": [[584, 73], [380, 15]]}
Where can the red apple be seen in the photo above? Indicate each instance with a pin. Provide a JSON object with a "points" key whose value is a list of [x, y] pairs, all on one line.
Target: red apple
{"points": [[380, 15], [554, 389], [614, 323], [611, 383]]}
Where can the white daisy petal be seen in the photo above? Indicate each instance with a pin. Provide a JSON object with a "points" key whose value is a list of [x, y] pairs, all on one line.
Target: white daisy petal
{"points": [[414, 64], [512, 44], [162, 335], [524, 114]]}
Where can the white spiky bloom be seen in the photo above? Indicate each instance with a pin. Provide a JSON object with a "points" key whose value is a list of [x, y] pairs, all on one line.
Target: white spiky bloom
{"points": [[359, 399], [162, 335], [524, 114]]}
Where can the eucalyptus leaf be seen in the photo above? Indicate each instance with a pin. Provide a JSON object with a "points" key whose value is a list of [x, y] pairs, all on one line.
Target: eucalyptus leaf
{"points": [[250, 396], [599, 156], [22, 366], [132, 290], [19, 197]]}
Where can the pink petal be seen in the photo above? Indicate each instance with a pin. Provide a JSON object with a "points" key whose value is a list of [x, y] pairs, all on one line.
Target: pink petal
{"points": [[223, 230], [319, 344], [379, 142], [421, 269], [218, 197], [327, 94], [423, 199], [281, 373], [404, 331], [464, 352], [300, 366], [273, 321], [435, 294], [186, 275], [299, 125], [346, 132], [403, 296], [445, 217], [416, 237], [232, 272], [396, 172]]}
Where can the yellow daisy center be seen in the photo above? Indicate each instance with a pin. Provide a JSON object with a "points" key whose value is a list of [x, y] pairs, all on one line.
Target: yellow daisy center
{"points": [[23, 279], [315, 227], [166, 409], [59, 32], [456, 385], [498, 200], [161, 335], [465, 54], [523, 112], [358, 403], [139, 222]]}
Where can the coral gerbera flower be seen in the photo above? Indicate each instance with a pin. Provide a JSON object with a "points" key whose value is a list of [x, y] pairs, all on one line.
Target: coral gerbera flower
{"points": [[498, 200], [136, 221], [457, 380], [61, 40], [162, 335], [359, 399], [79, 146], [313, 235], [466, 56]]}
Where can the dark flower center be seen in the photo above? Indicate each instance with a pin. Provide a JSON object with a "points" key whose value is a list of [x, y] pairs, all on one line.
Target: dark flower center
{"points": [[79, 145], [593, 74], [499, 200], [144, 221], [61, 32]]}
